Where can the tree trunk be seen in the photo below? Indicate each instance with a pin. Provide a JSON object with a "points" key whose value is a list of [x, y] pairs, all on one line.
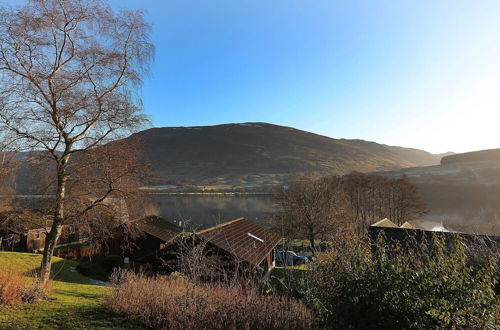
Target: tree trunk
{"points": [[48, 252], [313, 246], [56, 229]]}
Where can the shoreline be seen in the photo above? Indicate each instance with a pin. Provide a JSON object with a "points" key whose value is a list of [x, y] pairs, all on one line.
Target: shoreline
{"points": [[228, 193], [222, 193]]}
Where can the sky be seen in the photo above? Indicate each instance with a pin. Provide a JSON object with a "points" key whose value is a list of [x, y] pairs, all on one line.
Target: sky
{"points": [[422, 74]]}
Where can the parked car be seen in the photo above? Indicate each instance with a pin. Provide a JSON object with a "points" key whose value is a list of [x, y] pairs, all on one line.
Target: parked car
{"points": [[290, 258]]}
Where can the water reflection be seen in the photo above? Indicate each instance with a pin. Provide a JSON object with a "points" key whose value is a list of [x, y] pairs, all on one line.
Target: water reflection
{"points": [[202, 211]]}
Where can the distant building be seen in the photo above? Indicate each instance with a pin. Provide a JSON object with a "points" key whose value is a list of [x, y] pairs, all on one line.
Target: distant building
{"points": [[408, 225], [33, 240], [401, 235], [386, 223]]}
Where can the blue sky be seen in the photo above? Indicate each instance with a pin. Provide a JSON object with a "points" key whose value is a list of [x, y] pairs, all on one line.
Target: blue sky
{"points": [[422, 74]]}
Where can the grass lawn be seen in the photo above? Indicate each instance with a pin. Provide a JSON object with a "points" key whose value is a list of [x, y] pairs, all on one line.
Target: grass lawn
{"points": [[282, 272], [75, 303]]}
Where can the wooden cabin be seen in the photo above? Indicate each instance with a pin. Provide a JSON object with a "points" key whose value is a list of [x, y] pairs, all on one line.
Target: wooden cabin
{"points": [[142, 238], [237, 245]]}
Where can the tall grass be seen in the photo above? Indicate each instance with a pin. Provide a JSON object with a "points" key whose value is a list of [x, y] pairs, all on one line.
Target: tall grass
{"points": [[176, 303], [12, 285], [15, 288]]}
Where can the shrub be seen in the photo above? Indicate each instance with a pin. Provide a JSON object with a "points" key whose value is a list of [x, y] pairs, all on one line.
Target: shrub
{"points": [[176, 303], [16, 289], [110, 262], [394, 288], [92, 270], [101, 268], [12, 285]]}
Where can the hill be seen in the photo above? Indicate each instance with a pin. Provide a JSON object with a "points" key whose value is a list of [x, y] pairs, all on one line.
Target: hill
{"points": [[461, 193], [405, 157], [248, 156], [252, 154], [491, 155]]}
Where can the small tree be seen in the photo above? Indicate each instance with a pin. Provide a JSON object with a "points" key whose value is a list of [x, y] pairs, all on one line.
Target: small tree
{"points": [[311, 208], [69, 75]]}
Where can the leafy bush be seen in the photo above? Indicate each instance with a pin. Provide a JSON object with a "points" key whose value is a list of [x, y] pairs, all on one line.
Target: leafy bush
{"points": [[176, 303], [394, 288]]}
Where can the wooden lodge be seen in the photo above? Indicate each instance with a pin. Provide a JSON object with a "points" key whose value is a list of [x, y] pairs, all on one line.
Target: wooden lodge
{"points": [[141, 240], [235, 246]]}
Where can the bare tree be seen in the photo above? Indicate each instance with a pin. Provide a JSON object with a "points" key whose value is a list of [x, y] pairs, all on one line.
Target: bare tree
{"points": [[312, 208], [103, 191], [374, 197], [8, 166], [69, 76]]}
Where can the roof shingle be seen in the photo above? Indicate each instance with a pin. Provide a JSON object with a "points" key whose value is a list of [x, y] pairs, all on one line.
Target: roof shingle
{"points": [[158, 227], [243, 239]]}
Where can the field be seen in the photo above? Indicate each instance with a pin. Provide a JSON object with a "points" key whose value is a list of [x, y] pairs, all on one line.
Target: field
{"points": [[76, 301]]}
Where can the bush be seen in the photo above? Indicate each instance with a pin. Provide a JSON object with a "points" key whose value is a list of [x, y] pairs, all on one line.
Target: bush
{"points": [[176, 303], [101, 268], [93, 270], [12, 285], [110, 262], [16, 289], [394, 288]]}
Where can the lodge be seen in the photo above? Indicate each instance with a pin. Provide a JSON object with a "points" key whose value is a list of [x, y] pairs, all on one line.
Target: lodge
{"points": [[409, 233], [234, 246]]}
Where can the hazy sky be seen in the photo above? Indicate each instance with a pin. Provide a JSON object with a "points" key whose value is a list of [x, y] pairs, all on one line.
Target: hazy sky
{"points": [[422, 74]]}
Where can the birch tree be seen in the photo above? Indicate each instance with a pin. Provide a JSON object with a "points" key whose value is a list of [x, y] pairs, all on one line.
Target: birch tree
{"points": [[70, 72]]}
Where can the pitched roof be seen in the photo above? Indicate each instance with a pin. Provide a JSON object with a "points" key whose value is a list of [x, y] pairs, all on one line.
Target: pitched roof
{"points": [[243, 239], [408, 225], [158, 227], [385, 223]]}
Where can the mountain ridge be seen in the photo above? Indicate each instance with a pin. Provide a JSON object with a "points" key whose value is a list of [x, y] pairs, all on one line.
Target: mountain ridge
{"points": [[252, 156], [253, 153]]}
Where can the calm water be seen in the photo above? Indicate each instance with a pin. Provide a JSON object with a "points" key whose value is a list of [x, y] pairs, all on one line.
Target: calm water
{"points": [[202, 211]]}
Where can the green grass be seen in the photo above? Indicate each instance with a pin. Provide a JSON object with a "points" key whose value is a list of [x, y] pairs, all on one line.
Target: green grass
{"points": [[75, 303], [282, 272]]}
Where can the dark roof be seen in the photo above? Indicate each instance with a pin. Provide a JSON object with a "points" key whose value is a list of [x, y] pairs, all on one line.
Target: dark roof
{"points": [[243, 239], [158, 227]]}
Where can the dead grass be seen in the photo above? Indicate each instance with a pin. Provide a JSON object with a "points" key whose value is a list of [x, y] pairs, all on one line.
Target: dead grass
{"points": [[176, 303], [12, 285], [15, 288]]}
